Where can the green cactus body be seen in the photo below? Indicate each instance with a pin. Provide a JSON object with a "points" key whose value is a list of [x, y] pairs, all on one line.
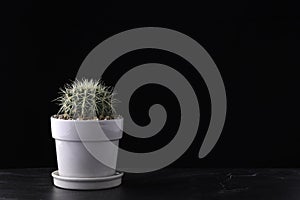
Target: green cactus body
{"points": [[87, 99]]}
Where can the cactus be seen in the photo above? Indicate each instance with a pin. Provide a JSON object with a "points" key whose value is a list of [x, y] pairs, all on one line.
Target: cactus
{"points": [[86, 99]]}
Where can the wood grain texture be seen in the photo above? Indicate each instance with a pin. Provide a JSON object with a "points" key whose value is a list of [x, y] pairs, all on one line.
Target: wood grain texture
{"points": [[201, 184]]}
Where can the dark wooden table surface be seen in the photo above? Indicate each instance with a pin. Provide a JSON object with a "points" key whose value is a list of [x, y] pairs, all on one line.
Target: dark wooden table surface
{"points": [[239, 184]]}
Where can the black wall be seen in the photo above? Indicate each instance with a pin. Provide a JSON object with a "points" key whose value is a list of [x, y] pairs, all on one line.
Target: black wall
{"points": [[255, 46]]}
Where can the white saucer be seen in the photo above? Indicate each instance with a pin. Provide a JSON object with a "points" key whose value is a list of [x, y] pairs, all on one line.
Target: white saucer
{"points": [[87, 183]]}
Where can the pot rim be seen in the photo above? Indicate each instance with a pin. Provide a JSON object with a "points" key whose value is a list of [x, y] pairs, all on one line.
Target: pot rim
{"points": [[69, 130], [86, 120]]}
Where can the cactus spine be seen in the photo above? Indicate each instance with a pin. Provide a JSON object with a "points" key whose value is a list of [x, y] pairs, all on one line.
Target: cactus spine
{"points": [[86, 99]]}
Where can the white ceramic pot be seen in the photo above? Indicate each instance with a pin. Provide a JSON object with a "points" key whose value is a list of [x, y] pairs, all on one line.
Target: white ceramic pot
{"points": [[73, 136]]}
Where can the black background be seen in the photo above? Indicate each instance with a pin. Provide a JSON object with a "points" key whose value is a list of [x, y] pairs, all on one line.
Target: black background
{"points": [[255, 46]]}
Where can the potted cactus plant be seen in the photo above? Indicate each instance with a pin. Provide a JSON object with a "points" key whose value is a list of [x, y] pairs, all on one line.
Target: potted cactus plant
{"points": [[86, 122]]}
